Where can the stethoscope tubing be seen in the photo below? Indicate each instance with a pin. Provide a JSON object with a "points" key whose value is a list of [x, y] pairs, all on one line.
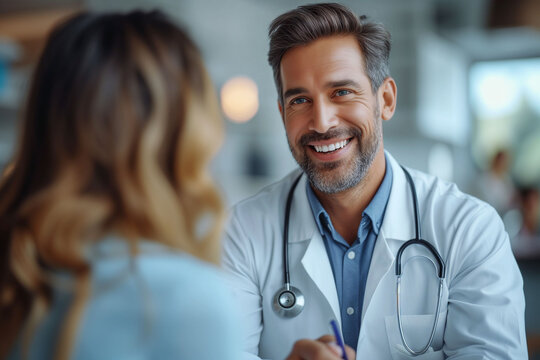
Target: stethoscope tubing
{"points": [[435, 322], [284, 311], [441, 273], [288, 206]]}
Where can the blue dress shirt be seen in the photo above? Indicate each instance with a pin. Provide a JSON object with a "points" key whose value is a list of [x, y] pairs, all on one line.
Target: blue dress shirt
{"points": [[350, 263]]}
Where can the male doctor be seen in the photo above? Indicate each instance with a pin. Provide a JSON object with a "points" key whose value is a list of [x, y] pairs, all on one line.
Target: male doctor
{"points": [[351, 211]]}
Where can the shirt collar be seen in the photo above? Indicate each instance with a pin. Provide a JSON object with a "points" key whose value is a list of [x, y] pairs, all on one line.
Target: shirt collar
{"points": [[377, 207], [316, 208], [374, 211]]}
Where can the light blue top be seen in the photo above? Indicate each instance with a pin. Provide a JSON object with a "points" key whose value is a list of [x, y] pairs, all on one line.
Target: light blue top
{"points": [[157, 305], [350, 263]]}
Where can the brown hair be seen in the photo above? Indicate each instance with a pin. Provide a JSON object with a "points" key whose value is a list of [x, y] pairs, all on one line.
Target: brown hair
{"points": [[120, 124], [308, 23]]}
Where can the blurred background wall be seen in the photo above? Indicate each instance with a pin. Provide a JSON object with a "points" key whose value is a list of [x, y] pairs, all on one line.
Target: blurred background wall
{"points": [[468, 76]]}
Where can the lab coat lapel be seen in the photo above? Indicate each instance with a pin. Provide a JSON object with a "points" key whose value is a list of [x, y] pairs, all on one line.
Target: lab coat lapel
{"points": [[397, 227], [381, 262], [315, 259], [317, 266]]}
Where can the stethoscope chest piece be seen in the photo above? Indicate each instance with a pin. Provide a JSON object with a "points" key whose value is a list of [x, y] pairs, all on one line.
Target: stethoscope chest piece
{"points": [[288, 301]]}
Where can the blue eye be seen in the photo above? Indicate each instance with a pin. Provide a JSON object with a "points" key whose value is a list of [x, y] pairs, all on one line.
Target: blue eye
{"points": [[342, 92], [298, 101]]}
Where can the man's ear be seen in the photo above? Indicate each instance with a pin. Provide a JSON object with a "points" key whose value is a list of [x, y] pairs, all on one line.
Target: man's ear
{"points": [[387, 98]]}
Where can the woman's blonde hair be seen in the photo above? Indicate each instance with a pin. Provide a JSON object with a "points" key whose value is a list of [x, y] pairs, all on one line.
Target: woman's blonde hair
{"points": [[119, 127]]}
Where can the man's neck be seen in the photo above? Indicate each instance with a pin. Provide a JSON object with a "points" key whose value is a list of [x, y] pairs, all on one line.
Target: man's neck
{"points": [[346, 208]]}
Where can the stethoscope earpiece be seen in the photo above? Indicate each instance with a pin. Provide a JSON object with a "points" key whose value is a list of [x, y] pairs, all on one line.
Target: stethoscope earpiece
{"points": [[288, 301]]}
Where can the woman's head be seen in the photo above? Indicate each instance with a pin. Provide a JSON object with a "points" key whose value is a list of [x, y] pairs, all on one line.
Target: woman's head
{"points": [[120, 124], [120, 111]]}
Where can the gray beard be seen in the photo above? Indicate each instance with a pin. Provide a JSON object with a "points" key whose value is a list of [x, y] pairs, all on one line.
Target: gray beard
{"points": [[322, 177]]}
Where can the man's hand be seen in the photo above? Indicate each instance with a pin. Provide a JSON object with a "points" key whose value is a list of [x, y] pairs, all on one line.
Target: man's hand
{"points": [[324, 348]]}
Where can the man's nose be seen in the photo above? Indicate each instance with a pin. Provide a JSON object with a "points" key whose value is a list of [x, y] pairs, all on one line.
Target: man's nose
{"points": [[324, 117]]}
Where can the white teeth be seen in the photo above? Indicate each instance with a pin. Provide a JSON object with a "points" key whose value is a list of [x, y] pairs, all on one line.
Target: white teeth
{"points": [[331, 147]]}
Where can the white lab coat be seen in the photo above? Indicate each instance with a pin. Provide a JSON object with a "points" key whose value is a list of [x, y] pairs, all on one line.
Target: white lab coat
{"points": [[482, 310]]}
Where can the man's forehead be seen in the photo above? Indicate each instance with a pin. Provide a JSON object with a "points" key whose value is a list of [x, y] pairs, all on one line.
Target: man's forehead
{"points": [[321, 45], [329, 59]]}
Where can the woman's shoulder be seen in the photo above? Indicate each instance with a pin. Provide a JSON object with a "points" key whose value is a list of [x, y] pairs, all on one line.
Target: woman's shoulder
{"points": [[170, 299], [162, 273], [154, 262]]}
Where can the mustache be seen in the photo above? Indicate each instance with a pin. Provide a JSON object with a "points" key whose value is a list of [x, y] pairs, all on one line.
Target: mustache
{"points": [[332, 133]]}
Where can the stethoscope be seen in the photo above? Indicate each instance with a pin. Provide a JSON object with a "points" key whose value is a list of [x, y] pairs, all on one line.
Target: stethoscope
{"points": [[289, 300]]}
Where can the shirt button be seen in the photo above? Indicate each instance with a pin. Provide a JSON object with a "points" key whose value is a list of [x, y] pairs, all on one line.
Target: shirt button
{"points": [[351, 255], [350, 310]]}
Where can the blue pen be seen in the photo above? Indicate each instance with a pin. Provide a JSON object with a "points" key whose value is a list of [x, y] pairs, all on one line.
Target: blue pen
{"points": [[339, 340]]}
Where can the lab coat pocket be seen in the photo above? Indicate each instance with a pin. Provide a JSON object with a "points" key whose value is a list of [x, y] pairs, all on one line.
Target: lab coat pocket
{"points": [[416, 330]]}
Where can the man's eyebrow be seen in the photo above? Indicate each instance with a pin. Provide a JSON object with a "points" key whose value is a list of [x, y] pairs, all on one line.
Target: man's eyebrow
{"points": [[330, 84], [341, 83], [294, 91]]}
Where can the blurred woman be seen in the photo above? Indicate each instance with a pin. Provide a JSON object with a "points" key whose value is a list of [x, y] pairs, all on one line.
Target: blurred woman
{"points": [[108, 218]]}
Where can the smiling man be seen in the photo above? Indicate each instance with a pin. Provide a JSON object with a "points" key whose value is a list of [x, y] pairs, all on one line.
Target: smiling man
{"points": [[329, 240], [317, 97]]}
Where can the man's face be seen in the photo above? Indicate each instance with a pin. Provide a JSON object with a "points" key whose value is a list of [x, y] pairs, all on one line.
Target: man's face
{"points": [[331, 116]]}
